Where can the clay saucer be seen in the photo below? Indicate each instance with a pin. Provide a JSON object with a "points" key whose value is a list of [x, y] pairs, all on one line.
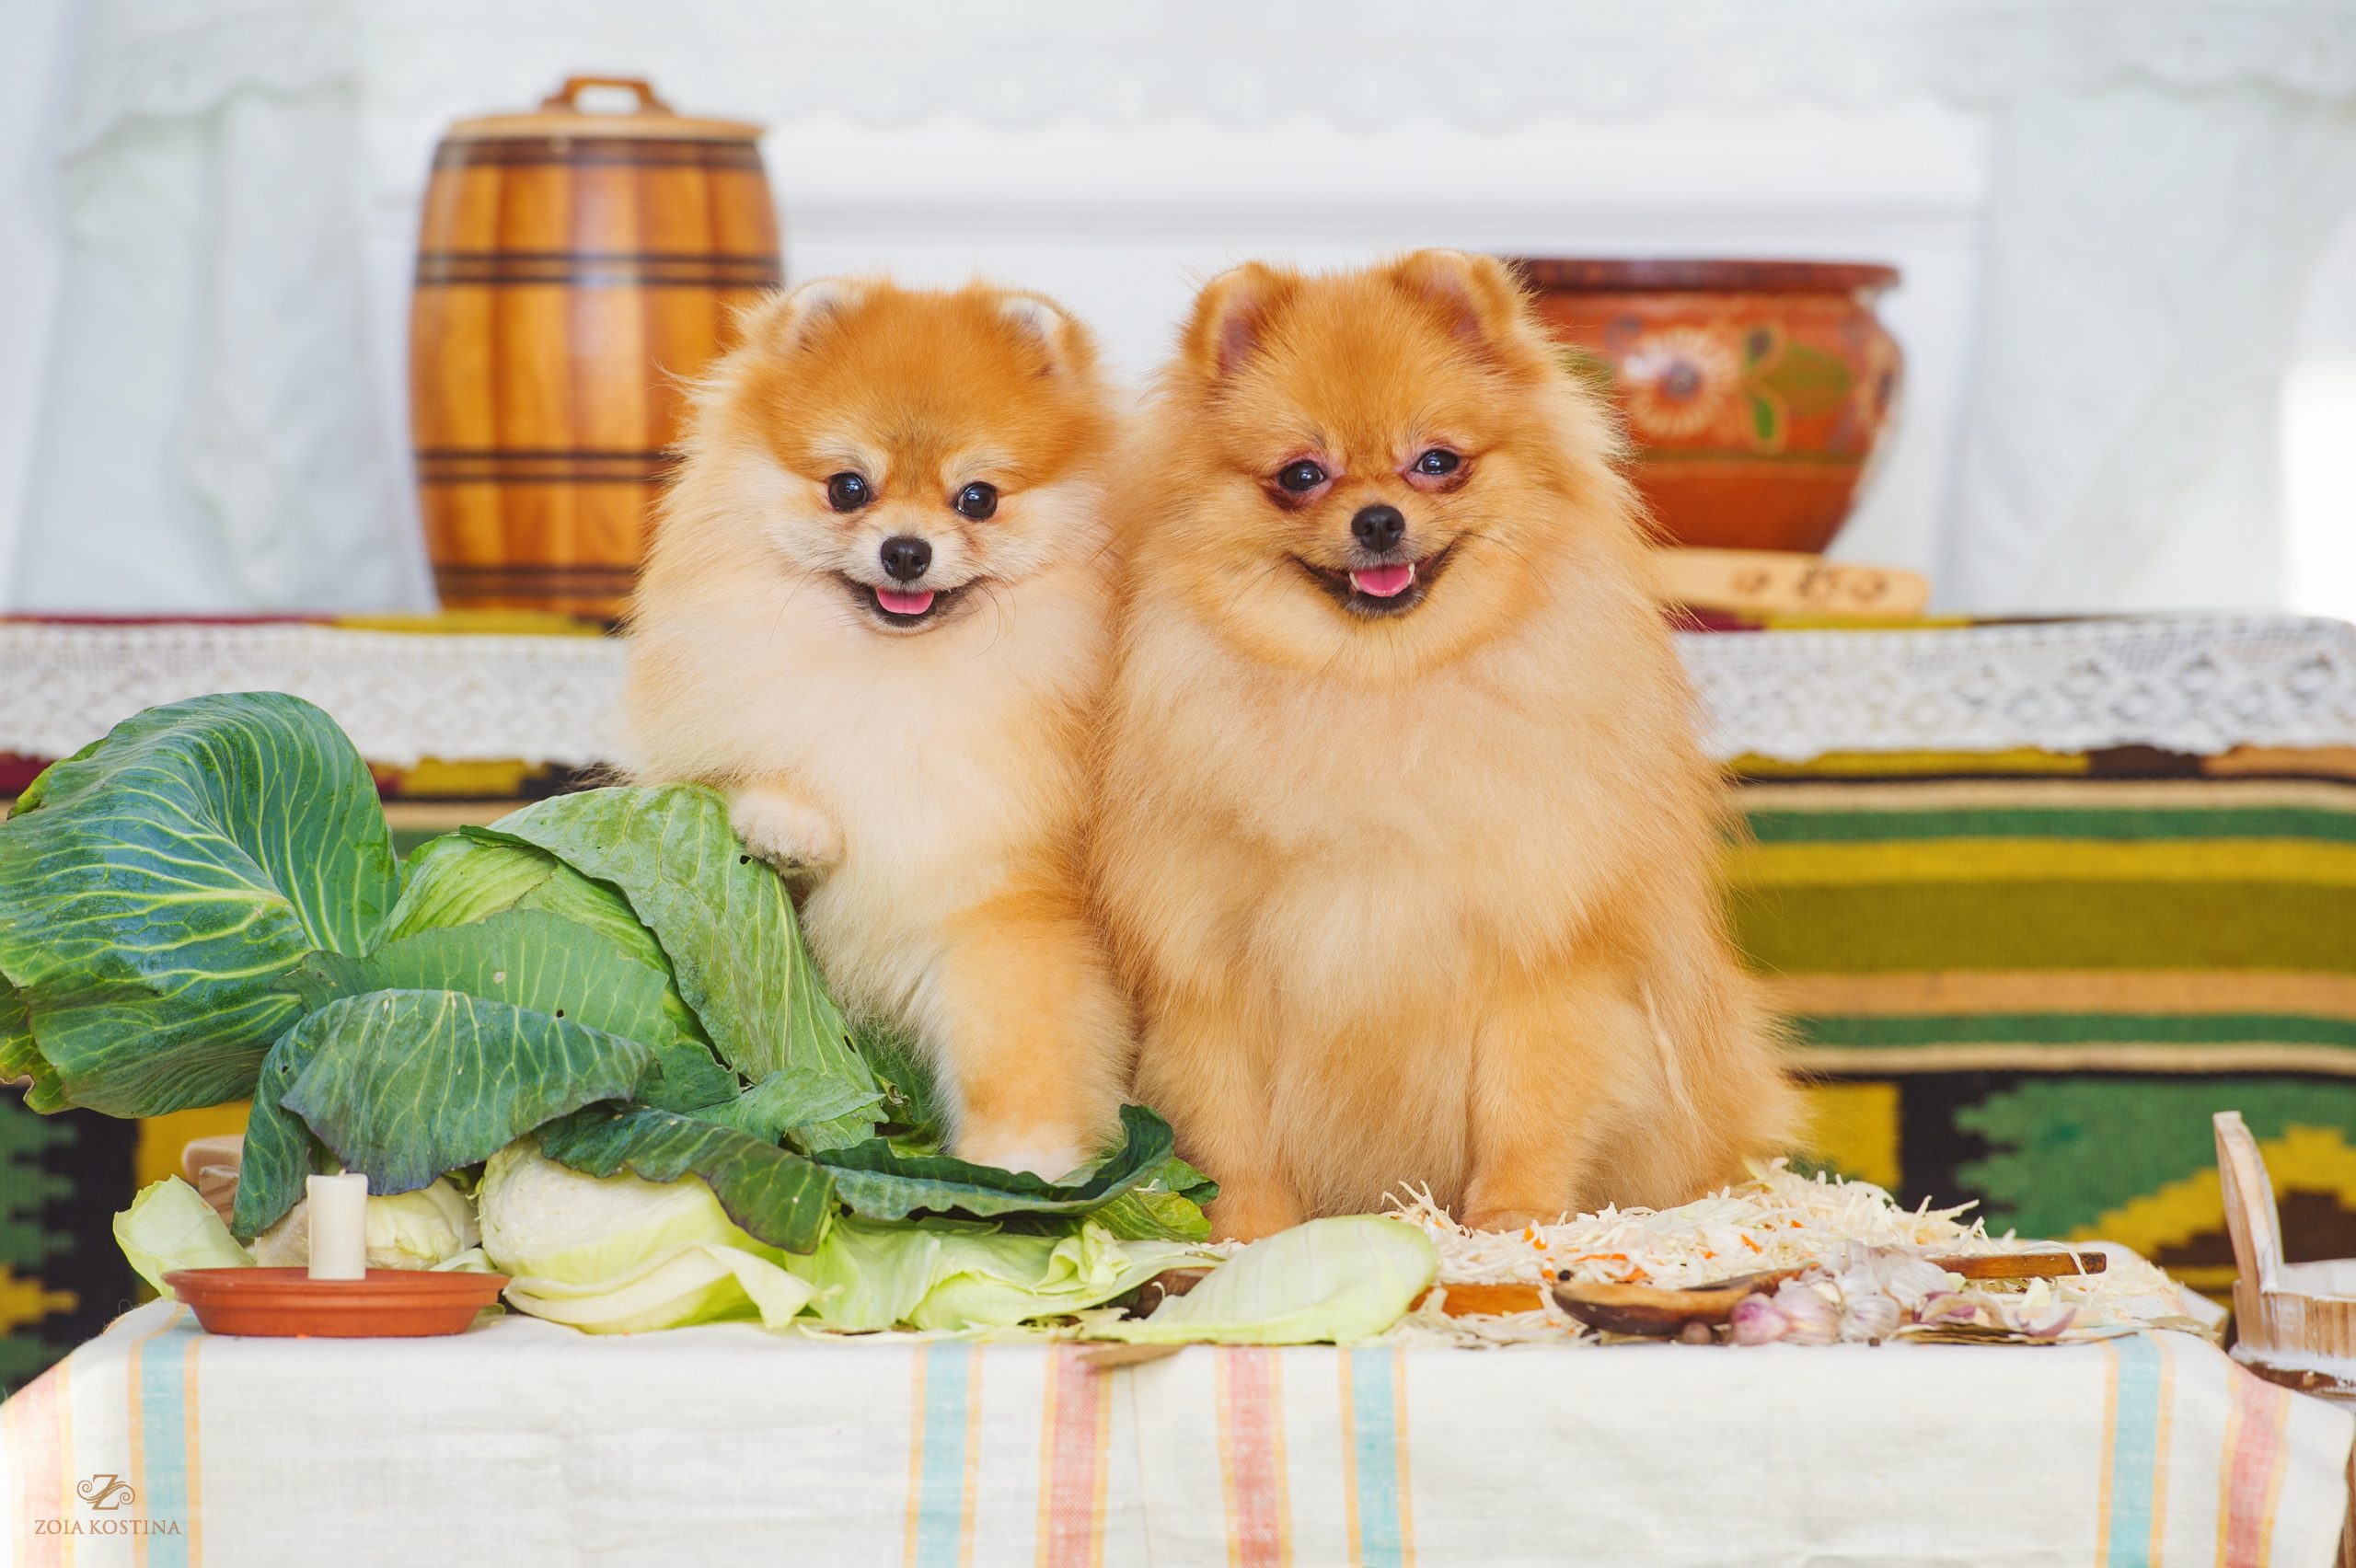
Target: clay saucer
{"points": [[290, 1304]]}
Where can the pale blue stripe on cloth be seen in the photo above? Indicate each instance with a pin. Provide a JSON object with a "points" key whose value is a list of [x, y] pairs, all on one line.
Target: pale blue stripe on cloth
{"points": [[1374, 1438], [163, 1438], [939, 1533], [2134, 1451]]}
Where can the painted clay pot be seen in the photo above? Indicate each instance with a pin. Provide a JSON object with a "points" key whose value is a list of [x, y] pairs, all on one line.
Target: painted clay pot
{"points": [[1754, 391]]}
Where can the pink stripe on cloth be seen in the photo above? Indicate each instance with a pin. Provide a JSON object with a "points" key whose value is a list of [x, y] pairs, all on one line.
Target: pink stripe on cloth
{"points": [[1072, 1471], [40, 1435], [1252, 1457], [2251, 1482]]}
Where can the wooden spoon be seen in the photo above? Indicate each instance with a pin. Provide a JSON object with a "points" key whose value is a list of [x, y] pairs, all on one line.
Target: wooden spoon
{"points": [[1657, 1313]]}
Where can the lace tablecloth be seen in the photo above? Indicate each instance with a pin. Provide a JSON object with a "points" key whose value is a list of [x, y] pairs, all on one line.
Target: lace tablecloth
{"points": [[2193, 684]]}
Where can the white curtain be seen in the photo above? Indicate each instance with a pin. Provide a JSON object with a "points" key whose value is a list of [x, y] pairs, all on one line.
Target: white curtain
{"points": [[210, 438], [2163, 173], [2145, 254]]}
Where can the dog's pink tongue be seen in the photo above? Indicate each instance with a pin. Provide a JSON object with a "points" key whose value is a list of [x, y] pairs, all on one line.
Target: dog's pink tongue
{"points": [[904, 604], [1383, 581]]}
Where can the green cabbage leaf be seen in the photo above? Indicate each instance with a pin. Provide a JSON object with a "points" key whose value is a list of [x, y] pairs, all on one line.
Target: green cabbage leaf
{"points": [[156, 888], [871, 1274], [878, 1181], [1337, 1280], [169, 1227], [775, 1194], [723, 920]]}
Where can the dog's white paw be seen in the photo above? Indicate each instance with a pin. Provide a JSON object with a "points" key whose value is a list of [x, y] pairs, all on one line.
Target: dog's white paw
{"points": [[788, 833], [1049, 1163]]}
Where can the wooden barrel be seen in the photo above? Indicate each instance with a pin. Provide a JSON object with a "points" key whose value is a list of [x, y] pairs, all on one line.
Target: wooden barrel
{"points": [[571, 268]]}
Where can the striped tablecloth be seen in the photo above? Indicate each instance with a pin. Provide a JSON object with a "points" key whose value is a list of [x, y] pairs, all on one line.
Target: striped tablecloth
{"points": [[522, 1442]]}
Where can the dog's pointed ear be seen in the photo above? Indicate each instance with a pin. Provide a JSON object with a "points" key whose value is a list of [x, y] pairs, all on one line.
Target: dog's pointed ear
{"points": [[803, 312], [1231, 318], [1065, 347], [1481, 300]]}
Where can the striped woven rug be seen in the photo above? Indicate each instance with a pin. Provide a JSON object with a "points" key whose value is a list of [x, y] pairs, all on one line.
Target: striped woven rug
{"points": [[2031, 985]]}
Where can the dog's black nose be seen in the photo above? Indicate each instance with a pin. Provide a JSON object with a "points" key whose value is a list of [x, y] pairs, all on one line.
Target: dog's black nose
{"points": [[905, 557], [1378, 528]]}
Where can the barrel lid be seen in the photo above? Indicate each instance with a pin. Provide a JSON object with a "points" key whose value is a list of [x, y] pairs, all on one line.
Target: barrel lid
{"points": [[560, 114]]}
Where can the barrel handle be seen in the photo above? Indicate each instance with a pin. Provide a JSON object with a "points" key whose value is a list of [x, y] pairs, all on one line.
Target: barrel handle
{"points": [[567, 96]]}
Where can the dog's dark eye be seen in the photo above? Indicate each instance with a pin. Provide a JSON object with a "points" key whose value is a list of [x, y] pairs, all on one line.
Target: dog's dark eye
{"points": [[976, 501], [1438, 460], [848, 492], [1300, 478]]}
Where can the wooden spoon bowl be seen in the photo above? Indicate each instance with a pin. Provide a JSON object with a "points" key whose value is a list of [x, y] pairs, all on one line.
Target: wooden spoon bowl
{"points": [[1655, 1313]]}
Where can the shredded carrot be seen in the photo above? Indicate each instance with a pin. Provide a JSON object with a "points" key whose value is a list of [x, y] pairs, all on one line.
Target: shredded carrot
{"points": [[1752, 1245]]}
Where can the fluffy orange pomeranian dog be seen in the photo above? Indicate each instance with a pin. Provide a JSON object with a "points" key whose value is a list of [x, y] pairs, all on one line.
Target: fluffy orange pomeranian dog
{"points": [[877, 612], [1407, 847]]}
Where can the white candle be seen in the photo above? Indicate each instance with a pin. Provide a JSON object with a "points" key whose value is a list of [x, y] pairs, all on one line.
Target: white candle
{"points": [[339, 1227]]}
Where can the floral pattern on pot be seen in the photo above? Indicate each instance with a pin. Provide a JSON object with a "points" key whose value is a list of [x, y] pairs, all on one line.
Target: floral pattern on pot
{"points": [[1755, 393]]}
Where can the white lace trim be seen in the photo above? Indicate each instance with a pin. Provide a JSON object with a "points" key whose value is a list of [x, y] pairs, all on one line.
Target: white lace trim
{"points": [[401, 697], [2186, 684], [2193, 684]]}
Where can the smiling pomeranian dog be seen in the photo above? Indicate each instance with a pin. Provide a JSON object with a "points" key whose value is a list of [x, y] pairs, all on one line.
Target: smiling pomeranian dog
{"points": [[877, 612], [1407, 846]]}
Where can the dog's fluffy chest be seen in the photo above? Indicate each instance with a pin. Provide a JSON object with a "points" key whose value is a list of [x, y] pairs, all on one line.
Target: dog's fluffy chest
{"points": [[1422, 833], [946, 771], [945, 758]]}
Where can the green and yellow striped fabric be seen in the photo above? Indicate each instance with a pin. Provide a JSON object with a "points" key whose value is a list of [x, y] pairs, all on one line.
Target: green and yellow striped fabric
{"points": [[2033, 988]]}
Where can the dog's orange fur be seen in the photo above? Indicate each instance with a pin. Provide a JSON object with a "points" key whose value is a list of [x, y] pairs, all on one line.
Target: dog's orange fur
{"points": [[926, 785], [1430, 898]]}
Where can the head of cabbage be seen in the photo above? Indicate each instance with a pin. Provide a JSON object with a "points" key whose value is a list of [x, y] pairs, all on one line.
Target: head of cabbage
{"points": [[618, 1255]]}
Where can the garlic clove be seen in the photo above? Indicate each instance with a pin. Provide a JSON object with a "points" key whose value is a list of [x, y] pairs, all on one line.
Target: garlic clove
{"points": [[2048, 1323], [1947, 1307], [1869, 1318], [1757, 1320], [1811, 1315]]}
